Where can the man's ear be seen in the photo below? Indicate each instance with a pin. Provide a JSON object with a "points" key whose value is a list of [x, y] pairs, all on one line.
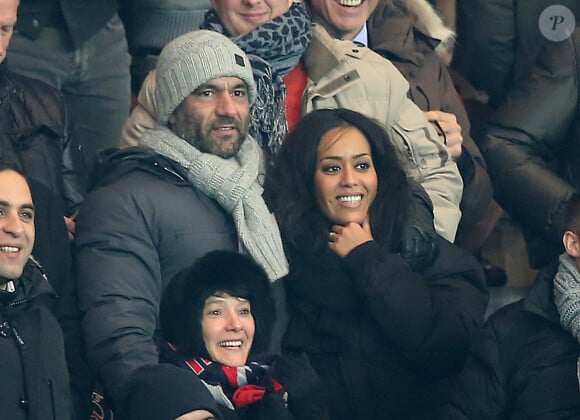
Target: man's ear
{"points": [[571, 243]]}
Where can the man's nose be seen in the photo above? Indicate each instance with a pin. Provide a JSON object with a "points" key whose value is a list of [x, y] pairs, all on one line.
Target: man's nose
{"points": [[226, 105], [12, 223]]}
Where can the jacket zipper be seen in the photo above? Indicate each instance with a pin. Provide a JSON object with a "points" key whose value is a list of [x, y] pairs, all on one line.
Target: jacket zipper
{"points": [[52, 399], [24, 403]]}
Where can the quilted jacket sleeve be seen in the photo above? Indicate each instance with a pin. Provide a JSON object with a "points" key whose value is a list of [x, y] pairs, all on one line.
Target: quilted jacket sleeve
{"points": [[119, 286], [528, 137], [451, 295]]}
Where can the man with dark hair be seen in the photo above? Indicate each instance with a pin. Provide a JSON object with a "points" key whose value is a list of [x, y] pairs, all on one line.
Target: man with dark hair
{"points": [[31, 341], [33, 138]]}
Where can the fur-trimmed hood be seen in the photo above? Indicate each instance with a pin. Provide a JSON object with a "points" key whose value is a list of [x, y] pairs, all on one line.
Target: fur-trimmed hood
{"points": [[428, 20], [407, 29]]}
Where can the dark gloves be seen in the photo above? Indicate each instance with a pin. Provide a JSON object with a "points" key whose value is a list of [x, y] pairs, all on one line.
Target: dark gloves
{"points": [[294, 372], [302, 383], [419, 240], [272, 406]]}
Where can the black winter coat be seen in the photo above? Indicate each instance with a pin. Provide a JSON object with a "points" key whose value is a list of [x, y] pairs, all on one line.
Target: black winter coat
{"points": [[532, 148], [522, 365], [379, 335], [33, 124], [34, 372], [498, 41]]}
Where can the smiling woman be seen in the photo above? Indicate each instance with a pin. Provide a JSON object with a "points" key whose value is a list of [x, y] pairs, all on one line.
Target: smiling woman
{"points": [[217, 317], [345, 179], [380, 335], [337, 167]]}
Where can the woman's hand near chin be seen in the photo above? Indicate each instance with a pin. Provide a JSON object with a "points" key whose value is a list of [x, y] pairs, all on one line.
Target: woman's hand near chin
{"points": [[343, 239]]}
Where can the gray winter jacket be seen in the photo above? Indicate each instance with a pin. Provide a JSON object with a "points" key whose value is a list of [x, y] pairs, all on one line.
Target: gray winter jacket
{"points": [[142, 224]]}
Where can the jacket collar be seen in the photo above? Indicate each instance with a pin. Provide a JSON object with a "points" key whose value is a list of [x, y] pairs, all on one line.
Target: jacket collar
{"points": [[114, 163], [393, 34], [321, 56], [327, 52], [33, 283], [6, 88], [540, 300], [3, 68]]}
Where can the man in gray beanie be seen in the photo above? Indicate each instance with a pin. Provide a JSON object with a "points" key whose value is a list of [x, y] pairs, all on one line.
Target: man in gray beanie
{"points": [[193, 186]]}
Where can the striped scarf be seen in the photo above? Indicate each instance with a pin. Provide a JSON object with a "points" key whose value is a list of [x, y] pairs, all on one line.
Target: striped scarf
{"points": [[231, 386]]}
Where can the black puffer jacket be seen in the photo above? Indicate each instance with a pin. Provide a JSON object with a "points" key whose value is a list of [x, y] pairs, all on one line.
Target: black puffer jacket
{"points": [[532, 148], [34, 371], [522, 365], [498, 41], [33, 123], [380, 336], [142, 224]]}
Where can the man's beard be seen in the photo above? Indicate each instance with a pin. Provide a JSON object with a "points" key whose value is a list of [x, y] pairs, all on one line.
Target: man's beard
{"points": [[193, 133]]}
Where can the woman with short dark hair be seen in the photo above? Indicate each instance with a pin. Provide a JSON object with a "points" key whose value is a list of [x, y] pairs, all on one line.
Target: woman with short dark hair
{"points": [[217, 318]]}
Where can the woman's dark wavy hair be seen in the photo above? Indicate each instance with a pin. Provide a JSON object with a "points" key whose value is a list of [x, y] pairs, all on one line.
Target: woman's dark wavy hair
{"points": [[289, 185], [181, 309]]}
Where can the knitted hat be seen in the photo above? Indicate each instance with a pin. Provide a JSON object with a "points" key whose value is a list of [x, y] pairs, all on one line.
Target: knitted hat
{"points": [[165, 392], [193, 59], [181, 308]]}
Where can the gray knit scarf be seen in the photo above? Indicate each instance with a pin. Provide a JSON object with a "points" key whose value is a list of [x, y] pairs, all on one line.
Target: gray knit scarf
{"points": [[235, 184], [567, 298]]}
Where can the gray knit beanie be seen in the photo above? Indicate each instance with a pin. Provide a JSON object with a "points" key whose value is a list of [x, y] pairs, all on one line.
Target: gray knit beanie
{"points": [[191, 60]]}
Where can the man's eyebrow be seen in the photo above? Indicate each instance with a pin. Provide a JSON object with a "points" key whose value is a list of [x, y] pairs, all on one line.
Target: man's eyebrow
{"points": [[28, 206], [241, 85]]}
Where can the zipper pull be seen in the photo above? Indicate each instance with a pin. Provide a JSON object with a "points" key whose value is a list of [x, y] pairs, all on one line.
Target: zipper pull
{"points": [[17, 336]]}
